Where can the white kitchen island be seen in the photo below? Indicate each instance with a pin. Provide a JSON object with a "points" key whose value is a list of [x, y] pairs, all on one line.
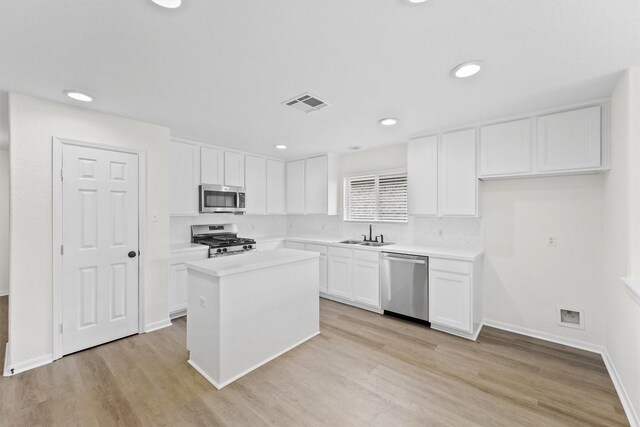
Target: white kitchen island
{"points": [[245, 310]]}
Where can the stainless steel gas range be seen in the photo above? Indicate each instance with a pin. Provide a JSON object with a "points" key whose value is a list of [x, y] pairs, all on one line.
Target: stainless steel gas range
{"points": [[222, 239]]}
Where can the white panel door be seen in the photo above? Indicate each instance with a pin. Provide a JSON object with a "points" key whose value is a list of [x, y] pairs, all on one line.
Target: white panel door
{"points": [[183, 186], [366, 283], [569, 140], [256, 185], [295, 187], [339, 276], [233, 169], [457, 180], [100, 231], [316, 185], [505, 148], [450, 300], [422, 176], [275, 187], [211, 166]]}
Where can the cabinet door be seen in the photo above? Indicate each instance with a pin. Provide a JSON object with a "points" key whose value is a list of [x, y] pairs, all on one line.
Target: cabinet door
{"points": [[233, 169], [323, 274], [256, 185], [183, 185], [569, 140], [366, 283], [178, 284], [505, 148], [295, 187], [450, 300], [316, 185], [422, 176], [275, 187], [211, 166], [457, 180], [339, 276]]}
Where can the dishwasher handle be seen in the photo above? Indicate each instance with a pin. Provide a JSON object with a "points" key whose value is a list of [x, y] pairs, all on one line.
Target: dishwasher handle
{"points": [[408, 260]]}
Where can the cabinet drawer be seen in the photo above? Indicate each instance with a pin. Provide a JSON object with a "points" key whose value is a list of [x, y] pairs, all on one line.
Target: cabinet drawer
{"points": [[294, 245], [316, 248], [183, 257], [450, 265], [370, 256], [341, 252]]}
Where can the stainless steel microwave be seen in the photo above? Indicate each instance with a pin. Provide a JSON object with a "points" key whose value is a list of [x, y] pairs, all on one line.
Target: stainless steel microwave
{"points": [[221, 199]]}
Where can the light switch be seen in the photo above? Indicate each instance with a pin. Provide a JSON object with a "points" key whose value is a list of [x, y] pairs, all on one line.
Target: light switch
{"points": [[155, 216]]}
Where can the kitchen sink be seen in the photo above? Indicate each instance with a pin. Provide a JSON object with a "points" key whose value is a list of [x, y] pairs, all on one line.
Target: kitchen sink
{"points": [[375, 244], [351, 242]]}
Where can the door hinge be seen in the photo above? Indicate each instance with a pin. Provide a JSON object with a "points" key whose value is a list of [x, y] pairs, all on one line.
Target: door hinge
{"points": [[61, 175], [61, 328], [61, 249]]}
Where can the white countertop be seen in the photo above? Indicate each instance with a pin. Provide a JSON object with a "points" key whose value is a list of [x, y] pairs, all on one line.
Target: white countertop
{"points": [[227, 265], [435, 252], [186, 247]]}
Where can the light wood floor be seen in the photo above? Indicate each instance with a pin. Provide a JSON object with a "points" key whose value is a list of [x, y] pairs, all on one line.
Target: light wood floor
{"points": [[363, 370]]}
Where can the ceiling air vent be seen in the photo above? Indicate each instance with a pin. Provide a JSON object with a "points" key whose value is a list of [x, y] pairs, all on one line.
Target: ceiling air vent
{"points": [[306, 103]]}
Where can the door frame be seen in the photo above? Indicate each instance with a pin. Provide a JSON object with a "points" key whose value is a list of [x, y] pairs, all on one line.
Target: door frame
{"points": [[58, 144]]}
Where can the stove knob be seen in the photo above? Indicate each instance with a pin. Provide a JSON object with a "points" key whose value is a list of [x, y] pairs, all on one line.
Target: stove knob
{"points": [[224, 250], [250, 246], [244, 247], [219, 250]]}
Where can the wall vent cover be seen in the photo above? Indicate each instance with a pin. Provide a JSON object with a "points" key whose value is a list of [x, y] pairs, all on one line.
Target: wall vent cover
{"points": [[306, 103]]}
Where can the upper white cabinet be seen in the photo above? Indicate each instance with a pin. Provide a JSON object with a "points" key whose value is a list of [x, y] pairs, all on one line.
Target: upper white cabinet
{"points": [[256, 185], [457, 179], [505, 148], [422, 173], [569, 140], [211, 166], [315, 195], [233, 169], [275, 187], [312, 185], [183, 178], [295, 187]]}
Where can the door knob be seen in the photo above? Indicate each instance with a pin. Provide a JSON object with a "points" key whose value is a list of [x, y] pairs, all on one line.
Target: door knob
{"points": [[132, 254]]}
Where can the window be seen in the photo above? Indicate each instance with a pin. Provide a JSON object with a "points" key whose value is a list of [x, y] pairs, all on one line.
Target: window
{"points": [[376, 197]]}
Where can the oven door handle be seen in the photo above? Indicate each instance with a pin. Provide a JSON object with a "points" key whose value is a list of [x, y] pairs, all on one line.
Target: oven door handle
{"points": [[407, 260]]}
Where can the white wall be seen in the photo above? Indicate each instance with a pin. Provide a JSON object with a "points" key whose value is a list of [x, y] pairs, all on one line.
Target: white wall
{"points": [[525, 280], [32, 123], [4, 222], [621, 236]]}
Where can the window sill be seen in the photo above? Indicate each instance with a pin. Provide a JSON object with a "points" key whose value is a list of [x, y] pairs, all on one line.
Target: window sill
{"points": [[365, 221]]}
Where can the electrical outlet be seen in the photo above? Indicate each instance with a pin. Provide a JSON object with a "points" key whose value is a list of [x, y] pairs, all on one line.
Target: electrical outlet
{"points": [[155, 216], [203, 302], [551, 240]]}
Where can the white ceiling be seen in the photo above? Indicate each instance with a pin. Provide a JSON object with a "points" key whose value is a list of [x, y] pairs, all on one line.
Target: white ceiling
{"points": [[216, 71]]}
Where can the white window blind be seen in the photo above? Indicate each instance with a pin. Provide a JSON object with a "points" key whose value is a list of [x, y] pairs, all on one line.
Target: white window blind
{"points": [[376, 197]]}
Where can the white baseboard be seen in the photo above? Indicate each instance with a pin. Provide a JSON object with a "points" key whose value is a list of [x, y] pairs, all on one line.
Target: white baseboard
{"points": [[154, 326], [4, 293], [632, 415], [569, 342], [253, 368], [5, 369], [16, 368], [629, 410], [351, 303]]}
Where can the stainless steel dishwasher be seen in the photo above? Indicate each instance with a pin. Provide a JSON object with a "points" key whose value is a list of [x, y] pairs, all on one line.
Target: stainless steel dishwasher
{"points": [[405, 285]]}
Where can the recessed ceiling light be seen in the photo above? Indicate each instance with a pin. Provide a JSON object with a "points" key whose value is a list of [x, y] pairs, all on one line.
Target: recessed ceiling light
{"points": [[467, 69], [388, 121], [416, 1], [169, 4], [78, 96], [280, 146]]}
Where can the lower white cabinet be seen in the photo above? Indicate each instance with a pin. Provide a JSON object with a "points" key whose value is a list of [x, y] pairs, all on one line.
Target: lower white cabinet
{"points": [[178, 280], [454, 296], [322, 250], [339, 278], [366, 282]]}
